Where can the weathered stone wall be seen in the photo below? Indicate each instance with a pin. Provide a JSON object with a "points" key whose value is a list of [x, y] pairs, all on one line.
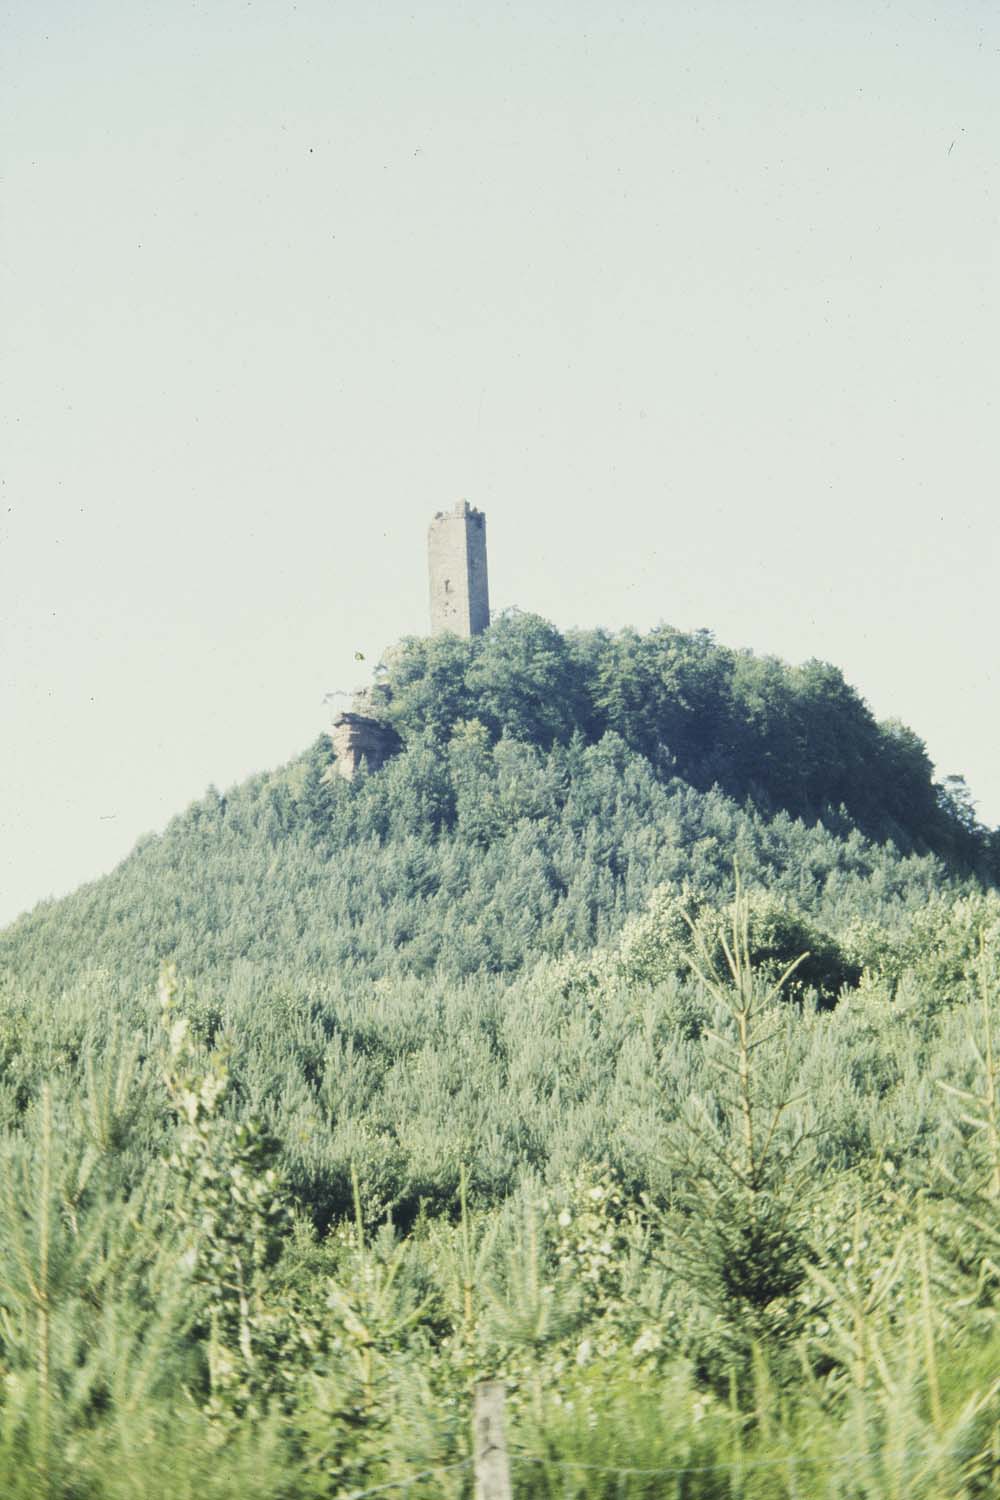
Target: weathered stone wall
{"points": [[479, 586], [459, 583]]}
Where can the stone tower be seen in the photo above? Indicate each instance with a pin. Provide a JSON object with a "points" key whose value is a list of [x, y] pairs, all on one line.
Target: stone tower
{"points": [[456, 551]]}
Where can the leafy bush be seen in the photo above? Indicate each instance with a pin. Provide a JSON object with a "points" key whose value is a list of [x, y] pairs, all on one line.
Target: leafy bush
{"points": [[680, 930]]}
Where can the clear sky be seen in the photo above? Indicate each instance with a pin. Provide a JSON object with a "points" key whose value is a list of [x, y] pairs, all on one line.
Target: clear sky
{"points": [[699, 301]]}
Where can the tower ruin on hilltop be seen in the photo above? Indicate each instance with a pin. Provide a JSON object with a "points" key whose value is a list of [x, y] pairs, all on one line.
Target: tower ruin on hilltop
{"points": [[460, 602], [456, 556]]}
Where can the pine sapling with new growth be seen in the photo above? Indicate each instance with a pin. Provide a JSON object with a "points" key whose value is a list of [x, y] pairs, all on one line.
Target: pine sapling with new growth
{"points": [[739, 1172]]}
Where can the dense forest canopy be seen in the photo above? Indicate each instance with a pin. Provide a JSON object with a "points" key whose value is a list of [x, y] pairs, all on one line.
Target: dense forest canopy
{"points": [[630, 1035], [795, 738]]}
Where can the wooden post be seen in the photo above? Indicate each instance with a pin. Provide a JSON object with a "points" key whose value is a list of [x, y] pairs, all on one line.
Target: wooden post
{"points": [[492, 1462]]}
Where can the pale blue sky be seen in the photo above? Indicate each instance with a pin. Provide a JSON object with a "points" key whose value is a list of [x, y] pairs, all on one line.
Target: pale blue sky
{"points": [[698, 301]]}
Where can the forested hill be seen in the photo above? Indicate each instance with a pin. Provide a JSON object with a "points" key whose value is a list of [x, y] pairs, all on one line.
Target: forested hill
{"points": [[547, 785], [336, 1096]]}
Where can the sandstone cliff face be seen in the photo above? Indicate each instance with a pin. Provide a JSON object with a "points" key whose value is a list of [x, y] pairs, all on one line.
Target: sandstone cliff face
{"points": [[359, 740]]}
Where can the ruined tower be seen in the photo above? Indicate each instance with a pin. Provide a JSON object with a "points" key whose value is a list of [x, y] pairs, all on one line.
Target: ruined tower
{"points": [[456, 553]]}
